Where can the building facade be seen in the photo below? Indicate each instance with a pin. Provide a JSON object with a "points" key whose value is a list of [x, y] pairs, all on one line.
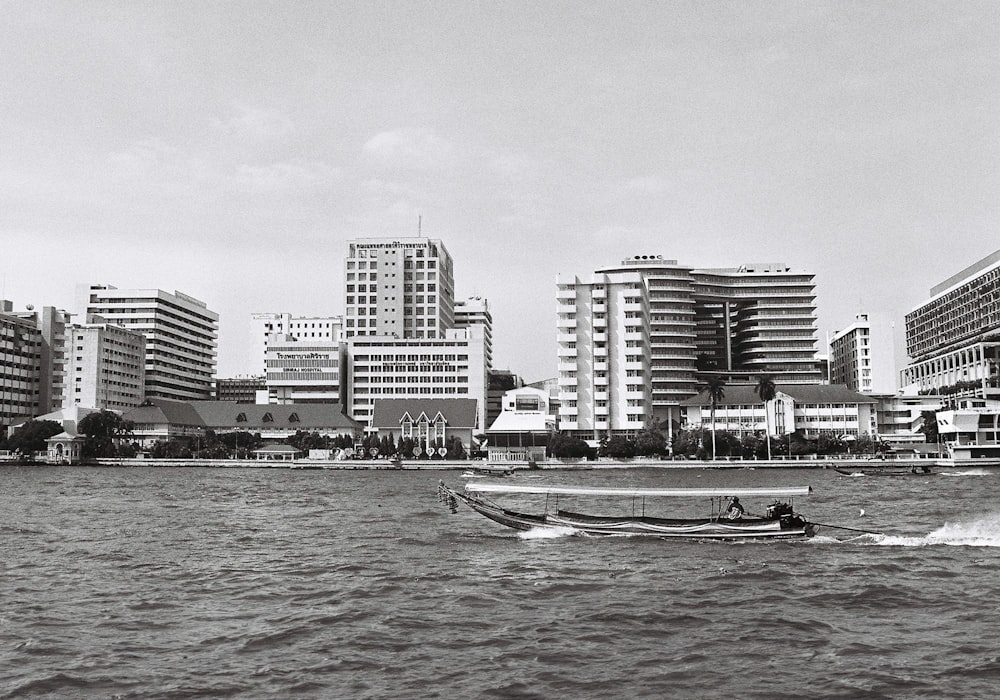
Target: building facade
{"points": [[181, 337], [53, 323], [862, 357], [327, 329], [812, 410], [634, 339], [605, 359], [475, 311], [105, 367], [20, 364], [240, 389], [304, 371], [399, 288], [451, 366], [953, 338]]}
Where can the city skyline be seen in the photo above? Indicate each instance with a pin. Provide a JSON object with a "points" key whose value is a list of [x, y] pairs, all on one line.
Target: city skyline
{"points": [[231, 155]]}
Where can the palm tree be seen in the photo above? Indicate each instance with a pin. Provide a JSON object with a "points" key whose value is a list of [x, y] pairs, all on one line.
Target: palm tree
{"points": [[766, 391], [716, 387]]}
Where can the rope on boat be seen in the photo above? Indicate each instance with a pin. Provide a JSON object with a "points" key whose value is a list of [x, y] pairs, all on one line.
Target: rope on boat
{"points": [[852, 529]]}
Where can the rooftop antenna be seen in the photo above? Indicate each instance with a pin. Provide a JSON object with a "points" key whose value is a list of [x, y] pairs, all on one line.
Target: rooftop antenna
{"points": [[419, 227]]}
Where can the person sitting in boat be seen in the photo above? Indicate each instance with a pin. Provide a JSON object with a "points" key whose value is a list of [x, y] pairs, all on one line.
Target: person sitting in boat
{"points": [[735, 510]]}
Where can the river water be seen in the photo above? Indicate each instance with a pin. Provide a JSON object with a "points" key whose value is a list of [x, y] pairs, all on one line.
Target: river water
{"points": [[272, 583]]}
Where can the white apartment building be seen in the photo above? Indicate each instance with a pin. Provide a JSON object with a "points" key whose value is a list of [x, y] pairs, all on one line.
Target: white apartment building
{"points": [[327, 329], [475, 311], [398, 288], [862, 356], [604, 350], [181, 336], [654, 322], [105, 366], [450, 366], [303, 370]]}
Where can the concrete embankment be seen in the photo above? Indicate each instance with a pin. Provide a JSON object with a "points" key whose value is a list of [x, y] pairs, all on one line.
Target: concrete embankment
{"points": [[423, 464]]}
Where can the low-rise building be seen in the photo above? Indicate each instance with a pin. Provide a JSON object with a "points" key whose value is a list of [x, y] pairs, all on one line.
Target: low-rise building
{"points": [[431, 423], [811, 409], [521, 431], [971, 430]]}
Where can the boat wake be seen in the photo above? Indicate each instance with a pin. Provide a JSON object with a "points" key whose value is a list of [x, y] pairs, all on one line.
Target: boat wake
{"points": [[984, 532], [547, 533], [967, 472]]}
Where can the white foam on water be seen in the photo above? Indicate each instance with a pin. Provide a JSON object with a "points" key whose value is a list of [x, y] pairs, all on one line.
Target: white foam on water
{"points": [[967, 472], [546, 533], [984, 532]]}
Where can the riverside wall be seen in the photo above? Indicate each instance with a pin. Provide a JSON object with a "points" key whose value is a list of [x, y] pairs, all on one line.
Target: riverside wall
{"points": [[454, 465]]}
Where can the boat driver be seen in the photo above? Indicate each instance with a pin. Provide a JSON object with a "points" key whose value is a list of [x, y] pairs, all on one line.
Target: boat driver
{"points": [[735, 510]]}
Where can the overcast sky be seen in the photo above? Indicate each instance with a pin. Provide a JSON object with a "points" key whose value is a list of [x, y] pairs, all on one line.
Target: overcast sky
{"points": [[230, 149]]}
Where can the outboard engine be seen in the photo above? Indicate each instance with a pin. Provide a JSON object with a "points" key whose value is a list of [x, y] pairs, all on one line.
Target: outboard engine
{"points": [[778, 509]]}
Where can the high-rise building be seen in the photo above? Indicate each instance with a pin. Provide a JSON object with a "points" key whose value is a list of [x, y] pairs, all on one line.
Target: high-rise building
{"points": [[308, 328], [20, 364], [634, 339], [862, 356], [52, 389], [475, 311], [105, 366], [180, 331], [605, 358], [953, 338], [398, 288]]}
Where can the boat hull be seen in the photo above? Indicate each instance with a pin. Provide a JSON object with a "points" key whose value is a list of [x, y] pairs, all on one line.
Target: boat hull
{"points": [[785, 527]]}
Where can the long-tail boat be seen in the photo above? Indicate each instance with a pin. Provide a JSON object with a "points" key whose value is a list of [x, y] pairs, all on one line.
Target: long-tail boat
{"points": [[723, 521]]}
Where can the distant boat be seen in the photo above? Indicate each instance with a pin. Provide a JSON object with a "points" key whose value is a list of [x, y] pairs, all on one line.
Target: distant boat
{"points": [[779, 522], [922, 470]]}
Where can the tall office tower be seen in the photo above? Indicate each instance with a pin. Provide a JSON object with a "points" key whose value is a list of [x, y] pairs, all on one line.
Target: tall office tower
{"points": [[105, 366], [398, 288], [180, 332], [605, 354], [450, 366], [309, 328], [862, 357], [52, 391], [657, 323], [303, 371], [476, 311], [757, 319], [20, 364], [953, 338]]}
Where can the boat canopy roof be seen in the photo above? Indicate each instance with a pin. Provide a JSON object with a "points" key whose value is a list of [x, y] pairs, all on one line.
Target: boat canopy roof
{"points": [[637, 492]]}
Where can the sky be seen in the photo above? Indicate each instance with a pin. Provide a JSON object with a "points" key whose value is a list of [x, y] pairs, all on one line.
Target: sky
{"points": [[230, 150]]}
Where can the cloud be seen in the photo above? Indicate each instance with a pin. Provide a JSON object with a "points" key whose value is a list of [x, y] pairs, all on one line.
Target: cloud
{"points": [[288, 176], [412, 149], [256, 123], [649, 184]]}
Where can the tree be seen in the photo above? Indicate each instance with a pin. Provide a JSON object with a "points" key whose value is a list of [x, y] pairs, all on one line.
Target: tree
{"points": [[103, 429], [930, 426], [649, 443], [560, 445], [31, 435], [716, 387], [619, 447], [766, 392]]}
